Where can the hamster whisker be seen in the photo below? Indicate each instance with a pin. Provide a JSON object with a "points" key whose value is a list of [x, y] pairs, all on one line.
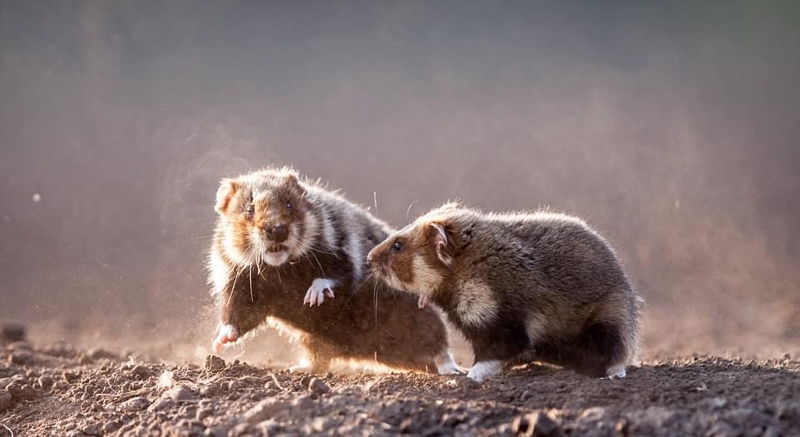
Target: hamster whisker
{"points": [[322, 251], [409, 207], [259, 261], [202, 237], [252, 299], [237, 272], [318, 263], [363, 281], [375, 294]]}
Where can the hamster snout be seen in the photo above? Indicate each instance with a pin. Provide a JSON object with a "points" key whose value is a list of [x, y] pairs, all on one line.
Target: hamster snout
{"points": [[375, 260], [278, 233]]}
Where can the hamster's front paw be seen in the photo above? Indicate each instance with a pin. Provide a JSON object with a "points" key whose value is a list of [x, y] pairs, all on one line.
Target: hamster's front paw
{"points": [[318, 290], [225, 334], [616, 372]]}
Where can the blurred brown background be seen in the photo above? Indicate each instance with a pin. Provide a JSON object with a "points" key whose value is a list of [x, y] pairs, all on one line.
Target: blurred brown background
{"points": [[672, 127]]}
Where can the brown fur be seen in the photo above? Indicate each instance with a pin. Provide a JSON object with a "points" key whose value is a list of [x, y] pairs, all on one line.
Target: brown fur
{"points": [[328, 238], [539, 284], [389, 328]]}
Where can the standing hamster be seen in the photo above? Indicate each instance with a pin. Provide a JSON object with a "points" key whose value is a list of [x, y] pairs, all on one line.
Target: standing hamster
{"points": [[282, 241], [539, 286]]}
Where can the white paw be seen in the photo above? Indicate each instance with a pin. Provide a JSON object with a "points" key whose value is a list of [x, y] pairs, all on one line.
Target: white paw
{"points": [[446, 366], [423, 301], [483, 370], [616, 372], [318, 290], [225, 334]]}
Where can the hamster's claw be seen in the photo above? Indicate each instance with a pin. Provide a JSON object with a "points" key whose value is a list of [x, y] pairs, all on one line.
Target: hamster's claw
{"points": [[318, 290]]}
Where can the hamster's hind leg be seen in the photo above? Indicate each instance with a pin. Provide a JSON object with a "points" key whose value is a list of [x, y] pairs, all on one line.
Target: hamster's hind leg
{"points": [[318, 356]]}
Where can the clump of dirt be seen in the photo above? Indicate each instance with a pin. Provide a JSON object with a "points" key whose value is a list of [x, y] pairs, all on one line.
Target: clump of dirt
{"points": [[58, 390]]}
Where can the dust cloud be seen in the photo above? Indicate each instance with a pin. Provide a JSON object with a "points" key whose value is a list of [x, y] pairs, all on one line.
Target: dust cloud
{"points": [[672, 127]]}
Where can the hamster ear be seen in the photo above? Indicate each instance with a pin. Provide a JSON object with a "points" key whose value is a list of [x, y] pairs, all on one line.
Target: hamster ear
{"points": [[227, 188], [442, 244], [292, 181], [291, 177]]}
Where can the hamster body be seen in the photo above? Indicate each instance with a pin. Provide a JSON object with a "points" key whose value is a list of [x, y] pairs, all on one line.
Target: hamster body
{"points": [[281, 242], [535, 286]]}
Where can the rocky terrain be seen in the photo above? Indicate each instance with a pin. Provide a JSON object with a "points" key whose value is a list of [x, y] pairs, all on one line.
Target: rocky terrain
{"points": [[58, 390]]}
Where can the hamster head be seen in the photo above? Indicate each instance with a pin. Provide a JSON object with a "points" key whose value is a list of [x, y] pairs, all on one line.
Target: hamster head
{"points": [[265, 217], [420, 256]]}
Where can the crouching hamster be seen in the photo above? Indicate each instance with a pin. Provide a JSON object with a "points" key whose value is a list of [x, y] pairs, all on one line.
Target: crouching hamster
{"points": [[539, 286], [282, 241]]}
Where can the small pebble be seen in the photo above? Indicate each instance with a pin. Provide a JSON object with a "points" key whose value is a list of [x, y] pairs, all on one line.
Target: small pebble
{"points": [[21, 391], [210, 390], [214, 363], [135, 404], [180, 394], [45, 381], [161, 404], [92, 430], [72, 376], [203, 413], [318, 386]]}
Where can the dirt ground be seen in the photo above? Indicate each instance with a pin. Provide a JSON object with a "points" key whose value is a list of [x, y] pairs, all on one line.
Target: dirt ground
{"points": [[58, 390]]}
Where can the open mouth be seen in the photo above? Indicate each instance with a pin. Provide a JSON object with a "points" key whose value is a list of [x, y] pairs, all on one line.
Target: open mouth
{"points": [[276, 255], [276, 248]]}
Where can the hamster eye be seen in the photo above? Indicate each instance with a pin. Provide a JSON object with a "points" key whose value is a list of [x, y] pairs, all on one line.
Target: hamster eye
{"points": [[250, 210], [289, 205], [397, 246]]}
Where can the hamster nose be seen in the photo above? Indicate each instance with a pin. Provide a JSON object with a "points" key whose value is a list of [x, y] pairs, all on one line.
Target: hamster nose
{"points": [[373, 259], [278, 233]]}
